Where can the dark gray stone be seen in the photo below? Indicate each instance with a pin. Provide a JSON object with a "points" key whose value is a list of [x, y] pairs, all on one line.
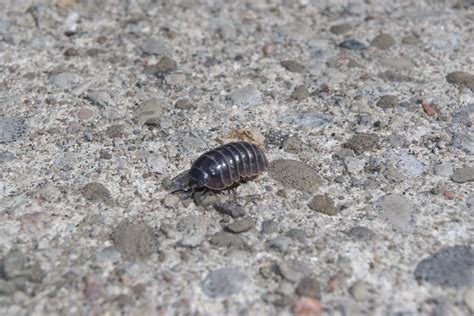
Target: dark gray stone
{"points": [[361, 233], [293, 66], [352, 44], [462, 175], [309, 287], [323, 204], [451, 267], [11, 129], [269, 226], [96, 192], [241, 225]]}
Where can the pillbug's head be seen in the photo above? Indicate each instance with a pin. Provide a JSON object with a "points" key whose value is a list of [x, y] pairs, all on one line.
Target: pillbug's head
{"points": [[201, 177]]}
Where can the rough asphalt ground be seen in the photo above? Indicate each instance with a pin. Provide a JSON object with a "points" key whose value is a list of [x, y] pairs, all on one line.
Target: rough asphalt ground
{"points": [[365, 110]]}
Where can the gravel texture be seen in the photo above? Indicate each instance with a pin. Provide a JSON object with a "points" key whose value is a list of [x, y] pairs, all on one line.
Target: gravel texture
{"points": [[365, 110]]}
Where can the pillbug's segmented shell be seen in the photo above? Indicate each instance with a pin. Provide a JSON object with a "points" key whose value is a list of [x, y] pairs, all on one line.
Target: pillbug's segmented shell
{"points": [[228, 164]]}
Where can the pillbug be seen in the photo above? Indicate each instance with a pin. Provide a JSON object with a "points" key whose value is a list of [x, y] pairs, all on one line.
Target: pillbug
{"points": [[224, 166]]}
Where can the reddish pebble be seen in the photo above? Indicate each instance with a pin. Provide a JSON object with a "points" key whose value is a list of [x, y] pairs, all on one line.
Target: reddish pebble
{"points": [[93, 289], [85, 114], [268, 49], [334, 281], [34, 222], [428, 109], [449, 195], [307, 306]]}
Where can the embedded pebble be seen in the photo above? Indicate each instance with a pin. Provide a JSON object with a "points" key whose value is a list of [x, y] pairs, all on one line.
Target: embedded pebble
{"points": [[300, 93], [352, 44], [269, 226], [96, 192], [134, 240], [231, 209], [149, 112], [241, 225], [11, 129], [363, 142], [383, 41], [280, 243], [194, 229], [398, 211], [224, 282], [306, 306], [461, 79], [100, 98], [154, 46], [323, 204], [388, 101], [293, 144], [359, 290], [464, 174], [443, 170], [464, 141], [107, 254], [450, 267], [85, 114], [49, 193], [13, 264], [227, 240], [340, 28], [361, 233], [296, 175], [309, 287], [293, 66], [353, 165], [66, 80], [246, 96]]}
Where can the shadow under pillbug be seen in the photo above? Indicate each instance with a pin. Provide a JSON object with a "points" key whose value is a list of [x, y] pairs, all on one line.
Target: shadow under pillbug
{"points": [[228, 164]]}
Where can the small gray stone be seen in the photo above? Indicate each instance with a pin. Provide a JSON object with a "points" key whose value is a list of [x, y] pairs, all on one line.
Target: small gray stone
{"points": [[393, 174], [224, 282], [13, 265], [6, 156], [134, 240], [96, 192], [150, 111], [7, 288], [154, 46], [66, 80], [451, 267], [293, 66], [104, 154], [388, 101], [353, 165], [227, 240], [100, 98], [108, 254], [359, 290], [280, 243], [247, 96], [462, 175], [352, 44], [323, 204], [410, 165], [184, 104], [443, 169], [461, 79], [400, 63], [363, 142], [269, 226], [464, 141], [361, 233], [339, 179], [11, 129], [293, 144], [383, 41], [293, 174], [164, 66], [398, 211], [297, 234], [310, 287], [292, 271], [340, 28], [230, 209], [241, 225], [300, 93]]}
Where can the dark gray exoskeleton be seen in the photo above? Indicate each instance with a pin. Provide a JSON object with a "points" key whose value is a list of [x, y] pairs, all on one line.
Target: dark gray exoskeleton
{"points": [[222, 167]]}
